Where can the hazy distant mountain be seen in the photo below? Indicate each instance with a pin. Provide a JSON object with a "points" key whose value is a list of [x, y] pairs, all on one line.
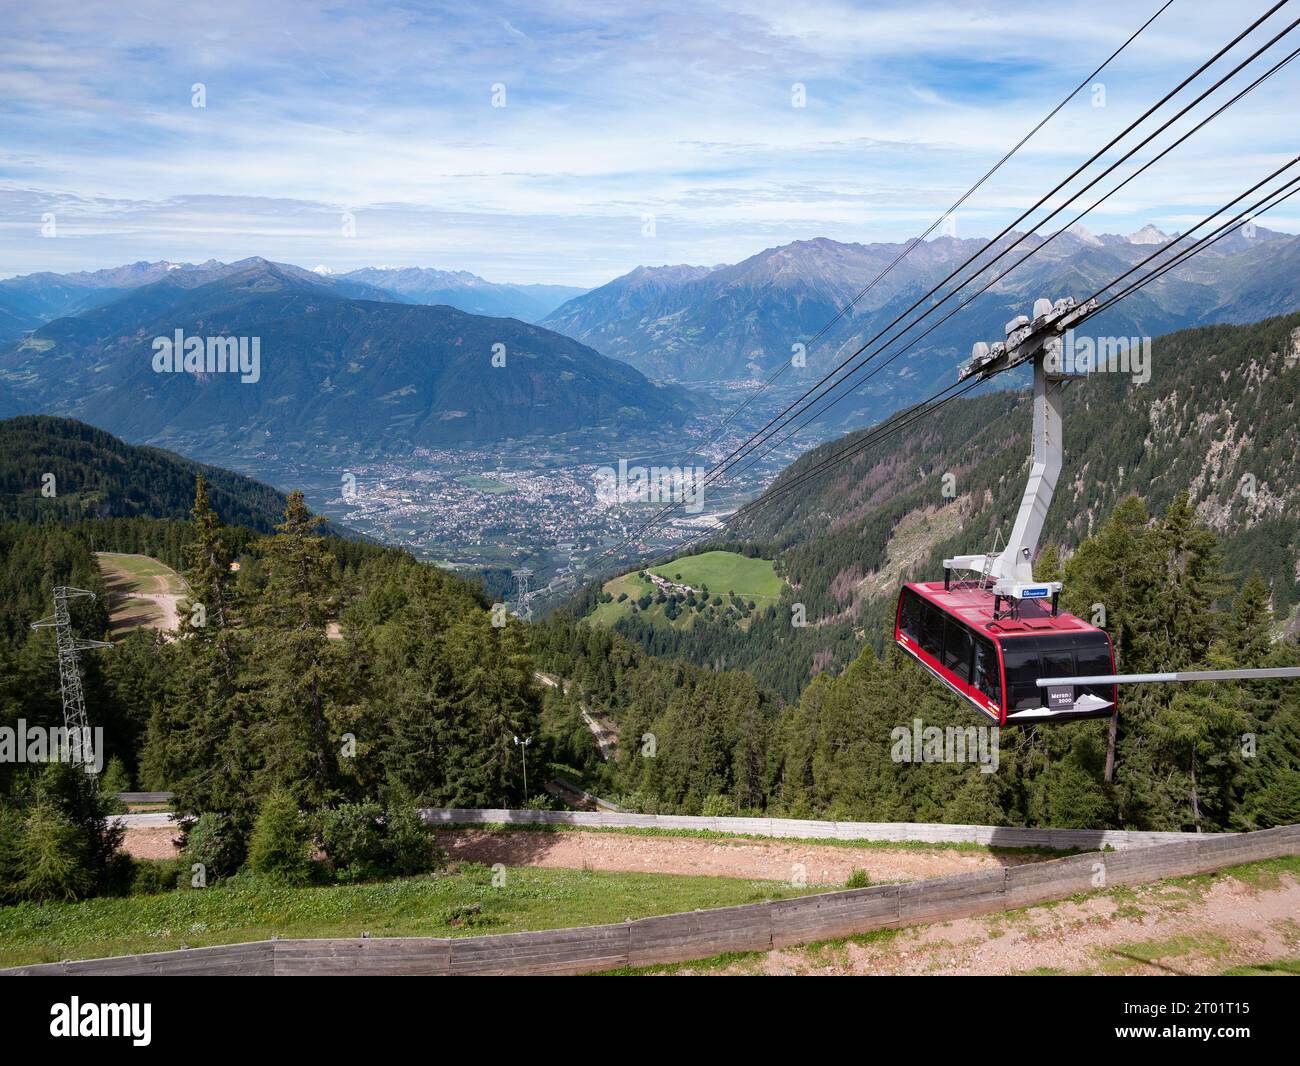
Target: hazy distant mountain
{"points": [[467, 292], [337, 375], [9, 403], [740, 321], [47, 296], [29, 301]]}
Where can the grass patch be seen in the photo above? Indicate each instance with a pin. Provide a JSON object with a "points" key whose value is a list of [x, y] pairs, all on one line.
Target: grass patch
{"points": [[463, 903], [821, 952], [725, 572], [1266, 874], [834, 952], [1280, 968], [746, 959], [139, 573], [1123, 958], [127, 578], [752, 580], [1138, 901]]}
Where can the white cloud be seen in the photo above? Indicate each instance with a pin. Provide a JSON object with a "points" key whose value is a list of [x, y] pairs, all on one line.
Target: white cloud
{"points": [[684, 112]]}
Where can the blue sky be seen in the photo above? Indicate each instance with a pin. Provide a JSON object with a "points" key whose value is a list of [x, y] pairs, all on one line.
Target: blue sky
{"points": [[614, 112]]}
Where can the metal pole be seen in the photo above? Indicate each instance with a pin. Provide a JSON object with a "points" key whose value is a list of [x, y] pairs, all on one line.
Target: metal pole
{"points": [[1291, 672], [522, 745]]}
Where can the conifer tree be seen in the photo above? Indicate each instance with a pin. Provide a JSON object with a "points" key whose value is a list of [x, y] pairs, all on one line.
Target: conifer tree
{"points": [[208, 570], [298, 673]]}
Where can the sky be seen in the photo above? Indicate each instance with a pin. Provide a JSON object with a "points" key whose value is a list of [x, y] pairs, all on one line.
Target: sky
{"points": [[570, 142]]}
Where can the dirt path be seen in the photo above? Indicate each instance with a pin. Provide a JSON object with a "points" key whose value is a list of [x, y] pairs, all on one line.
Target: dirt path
{"points": [[757, 860], [1166, 928], [141, 600], [772, 860], [602, 726], [165, 602]]}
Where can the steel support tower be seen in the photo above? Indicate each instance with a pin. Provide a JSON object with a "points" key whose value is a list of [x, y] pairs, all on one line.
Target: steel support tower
{"points": [[74, 698], [522, 595]]}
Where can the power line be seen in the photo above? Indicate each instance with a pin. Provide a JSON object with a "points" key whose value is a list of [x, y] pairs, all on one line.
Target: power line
{"points": [[725, 464], [1254, 211], [1278, 196], [740, 453], [753, 457], [1078, 170], [911, 245], [932, 404], [737, 454]]}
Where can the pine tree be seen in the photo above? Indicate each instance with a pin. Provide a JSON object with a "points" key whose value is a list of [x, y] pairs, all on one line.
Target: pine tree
{"points": [[208, 572], [1106, 580], [199, 742], [50, 857], [1249, 638], [297, 673], [280, 846]]}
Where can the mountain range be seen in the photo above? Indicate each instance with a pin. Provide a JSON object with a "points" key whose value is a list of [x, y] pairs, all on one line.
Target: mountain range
{"points": [[740, 321], [464, 291], [31, 300], [345, 369]]}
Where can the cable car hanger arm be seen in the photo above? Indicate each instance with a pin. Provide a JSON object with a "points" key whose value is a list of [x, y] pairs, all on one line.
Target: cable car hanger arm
{"points": [[1037, 341], [1292, 672]]}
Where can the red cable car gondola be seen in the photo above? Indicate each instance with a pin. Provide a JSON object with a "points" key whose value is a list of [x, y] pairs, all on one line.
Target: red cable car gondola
{"points": [[999, 641], [962, 636], [992, 639]]}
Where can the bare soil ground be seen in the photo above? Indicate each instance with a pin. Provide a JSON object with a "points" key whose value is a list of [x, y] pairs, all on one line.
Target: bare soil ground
{"points": [[151, 842], [754, 860], [1184, 926], [761, 860], [1175, 927]]}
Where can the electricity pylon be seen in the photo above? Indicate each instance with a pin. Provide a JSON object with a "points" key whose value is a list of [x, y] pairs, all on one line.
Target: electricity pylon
{"points": [[522, 595], [74, 699]]}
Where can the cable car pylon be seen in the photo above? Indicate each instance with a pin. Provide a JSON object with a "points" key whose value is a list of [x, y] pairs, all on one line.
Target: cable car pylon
{"points": [[1010, 571]]}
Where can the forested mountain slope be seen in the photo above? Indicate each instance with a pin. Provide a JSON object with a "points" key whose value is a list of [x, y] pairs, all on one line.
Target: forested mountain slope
{"points": [[1181, 757], [1218, 419], [96, 475]]}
